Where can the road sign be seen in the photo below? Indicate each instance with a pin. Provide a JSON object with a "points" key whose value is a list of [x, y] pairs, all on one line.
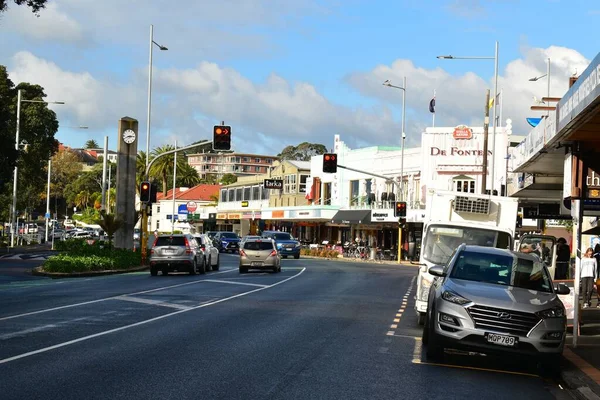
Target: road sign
{"points": [[273, 184], [182, 209], [191, 206], [47, 215]]}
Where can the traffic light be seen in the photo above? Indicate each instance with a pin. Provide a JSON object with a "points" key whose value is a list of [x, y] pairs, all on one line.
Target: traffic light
{"points": [[330, 163], [400, 209], [222, 137], [145, 192], [153, 192]]}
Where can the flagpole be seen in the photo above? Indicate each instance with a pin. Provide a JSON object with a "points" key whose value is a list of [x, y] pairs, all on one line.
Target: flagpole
{"points": [[433, 113]]}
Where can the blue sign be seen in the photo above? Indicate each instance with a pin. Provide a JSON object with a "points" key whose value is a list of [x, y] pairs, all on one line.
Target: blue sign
{"points": [[533, 121], [47, 215], [170, 216], [182, 209]]}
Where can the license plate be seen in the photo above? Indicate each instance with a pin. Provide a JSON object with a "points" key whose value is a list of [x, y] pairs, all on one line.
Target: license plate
{"points": [[257, 264], [502, 340], [169, 251]]}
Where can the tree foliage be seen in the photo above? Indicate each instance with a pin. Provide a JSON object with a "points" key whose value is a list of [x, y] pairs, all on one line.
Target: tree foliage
{"points": [[302, 152], [187, 176], [35, 5], [111, 223], [228, 179], [91, 144]]}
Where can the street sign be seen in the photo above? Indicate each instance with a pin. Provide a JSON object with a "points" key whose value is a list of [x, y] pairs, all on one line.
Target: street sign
{"points": [[191, 206], [273, 184], [47, 215], [182, 209]]}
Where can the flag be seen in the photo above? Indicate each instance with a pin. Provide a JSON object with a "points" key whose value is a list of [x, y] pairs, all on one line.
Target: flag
{"points": [[432, 105], [492, 100]]}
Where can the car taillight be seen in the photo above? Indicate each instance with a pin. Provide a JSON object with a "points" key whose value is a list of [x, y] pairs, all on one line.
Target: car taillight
{"points": [[153, 246], [242, 253], [188, 250], [273, 253]]}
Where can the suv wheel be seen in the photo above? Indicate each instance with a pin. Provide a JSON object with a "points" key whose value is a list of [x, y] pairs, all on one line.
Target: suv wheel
{"points": [[218, 264], [194, 267], [208, 265], [202, 268], [153, 271], [434, 350]]}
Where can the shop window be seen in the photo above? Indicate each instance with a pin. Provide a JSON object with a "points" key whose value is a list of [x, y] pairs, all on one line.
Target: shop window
{"points": [[289, 184], [231, 195], [223, 195], [255, 193], [247, 191], [327, 193], [354, 187], [464, 185], [238, 194], [265, 192], [303, 183]]}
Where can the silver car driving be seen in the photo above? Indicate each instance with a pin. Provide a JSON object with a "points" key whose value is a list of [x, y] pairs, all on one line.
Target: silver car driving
{"points": [[179, 253], [259, 254], [495, 301]]}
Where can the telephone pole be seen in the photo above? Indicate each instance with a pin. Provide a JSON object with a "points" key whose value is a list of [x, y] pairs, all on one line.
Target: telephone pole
{"points": [[486, 126]]}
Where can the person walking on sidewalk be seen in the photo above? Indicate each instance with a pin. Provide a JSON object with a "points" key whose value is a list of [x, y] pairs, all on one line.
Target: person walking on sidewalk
{"points": [[563, 257], [597, 257], [588, 273]]}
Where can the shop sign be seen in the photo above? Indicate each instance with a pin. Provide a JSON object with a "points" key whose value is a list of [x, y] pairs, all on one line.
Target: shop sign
{"points": [[301, 214], [456, 151], [462, 132], [277, 214], [383, 216], [245, 203], [221, 215], [234, 216]]}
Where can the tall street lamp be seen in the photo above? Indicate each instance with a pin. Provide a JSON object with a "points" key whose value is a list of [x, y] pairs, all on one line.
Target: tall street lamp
{"points": [[547, 75], [14, 199], [403, 88], [495, 58], [163, 48]]}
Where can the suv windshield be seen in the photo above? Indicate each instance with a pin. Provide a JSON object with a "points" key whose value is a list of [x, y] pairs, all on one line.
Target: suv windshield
{"points": [[442, 240], [501, 270], [282, 236], [229, 235], [258, 246], [170, 241]]}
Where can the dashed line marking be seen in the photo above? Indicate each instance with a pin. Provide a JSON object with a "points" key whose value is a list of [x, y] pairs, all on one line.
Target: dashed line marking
{"points": [[396, 320], [394, 326], [391, 333]]}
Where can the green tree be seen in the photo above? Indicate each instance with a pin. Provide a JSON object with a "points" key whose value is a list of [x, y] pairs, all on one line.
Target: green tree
{"points": [[91, 144], [302, 152], [82, 199], [35, 5], [209, 179], [228, 179], [163, 167], [8, 154], [111, 223], [187, 176], [66, 168]]}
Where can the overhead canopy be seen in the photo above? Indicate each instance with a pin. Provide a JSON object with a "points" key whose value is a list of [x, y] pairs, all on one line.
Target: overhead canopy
{"points": [[352, 217], [592, 231]]}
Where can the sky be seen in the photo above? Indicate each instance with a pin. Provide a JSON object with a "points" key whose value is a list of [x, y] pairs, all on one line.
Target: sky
{"points": [[282, 72]]}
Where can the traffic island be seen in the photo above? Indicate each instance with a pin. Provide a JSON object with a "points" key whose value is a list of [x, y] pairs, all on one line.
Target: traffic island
{"points": [[39, 271]]}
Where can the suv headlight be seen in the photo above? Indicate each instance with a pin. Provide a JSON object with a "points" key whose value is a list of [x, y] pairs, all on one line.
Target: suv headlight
{"points": [[555, 312], [455, 298]]}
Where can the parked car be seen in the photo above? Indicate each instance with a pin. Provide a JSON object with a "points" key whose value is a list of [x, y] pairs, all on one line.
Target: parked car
{"points": [[492, 300], [210, 253], [286, 244], [259, 254], [227, 241], [176, 253]]}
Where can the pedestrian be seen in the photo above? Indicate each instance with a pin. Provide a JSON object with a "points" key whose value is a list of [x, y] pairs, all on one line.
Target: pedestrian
{"points": [[588, 273], [563, 257]]}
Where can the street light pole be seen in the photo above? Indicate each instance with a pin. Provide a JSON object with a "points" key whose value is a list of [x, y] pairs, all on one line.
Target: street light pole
{"points": [[163, 48], [403, 138], [174, 187], [104, 164], [48, 200]]}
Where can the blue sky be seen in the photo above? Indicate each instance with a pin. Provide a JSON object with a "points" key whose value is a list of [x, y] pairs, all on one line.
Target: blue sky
{"points": [[282, 72]]}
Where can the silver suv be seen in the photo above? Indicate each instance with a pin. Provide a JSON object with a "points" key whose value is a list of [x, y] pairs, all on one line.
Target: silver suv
{"points": [[495, 301], [176, 253]]}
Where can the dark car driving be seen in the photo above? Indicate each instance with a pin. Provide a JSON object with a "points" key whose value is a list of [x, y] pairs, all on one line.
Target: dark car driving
{"points": [[286, 244], [227, 242]]}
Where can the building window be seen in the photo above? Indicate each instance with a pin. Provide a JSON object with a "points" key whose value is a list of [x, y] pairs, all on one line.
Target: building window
{"points": [[157, 224], [269, 161], [303, 183], [238, 194], [247, 193], [255, 193], [289, 184], [354, 187], [231, 195], [245, 159], [327, 194], [158, 209], [257, 160], [223, 195], [257, 169], [265, 192], [464, 185]]}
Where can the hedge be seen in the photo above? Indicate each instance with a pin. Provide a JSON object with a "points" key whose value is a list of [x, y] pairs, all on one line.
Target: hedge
{"points": [[325, 253]]}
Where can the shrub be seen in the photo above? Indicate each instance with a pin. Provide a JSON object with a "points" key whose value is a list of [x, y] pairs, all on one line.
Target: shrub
{"points": [[101, 261]]}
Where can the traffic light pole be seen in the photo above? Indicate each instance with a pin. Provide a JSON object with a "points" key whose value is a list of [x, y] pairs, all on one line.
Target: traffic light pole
{"points": [[144, 234], [398, 187]]}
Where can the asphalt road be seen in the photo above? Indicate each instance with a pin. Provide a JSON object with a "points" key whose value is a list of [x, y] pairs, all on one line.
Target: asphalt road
{"points": [[317, 330]]}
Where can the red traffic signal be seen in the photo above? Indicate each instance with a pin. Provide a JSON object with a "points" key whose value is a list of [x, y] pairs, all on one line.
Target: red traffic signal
{"points": [[145, 192], [330, 162], [222, 137], [400, 209]]}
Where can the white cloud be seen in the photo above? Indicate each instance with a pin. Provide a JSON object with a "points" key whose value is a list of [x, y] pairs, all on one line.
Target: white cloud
{"points": [[52, 24], [461, 98]]}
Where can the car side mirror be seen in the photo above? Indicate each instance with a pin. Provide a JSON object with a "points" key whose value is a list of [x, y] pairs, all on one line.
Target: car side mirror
{"points": [[562, 289], [437, 270]]}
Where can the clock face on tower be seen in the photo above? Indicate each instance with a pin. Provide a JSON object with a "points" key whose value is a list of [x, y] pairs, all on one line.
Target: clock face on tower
{"points": [[129, 136]]}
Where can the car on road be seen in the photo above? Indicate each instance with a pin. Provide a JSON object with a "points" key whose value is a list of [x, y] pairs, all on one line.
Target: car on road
{"points": [[227, 242], [179, 253], [210, 253], [259, 254], [490, 300], [248, 237], [286, 244]]}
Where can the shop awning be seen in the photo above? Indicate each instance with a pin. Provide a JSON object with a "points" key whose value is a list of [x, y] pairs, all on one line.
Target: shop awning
{"points": [[350, 217]]}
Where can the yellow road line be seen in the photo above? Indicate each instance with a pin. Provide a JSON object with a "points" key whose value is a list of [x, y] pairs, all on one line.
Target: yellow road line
{"points": [[583, 365]]}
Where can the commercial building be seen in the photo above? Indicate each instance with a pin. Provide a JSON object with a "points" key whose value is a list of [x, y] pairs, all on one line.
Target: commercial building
{"points": [[239, 164]]}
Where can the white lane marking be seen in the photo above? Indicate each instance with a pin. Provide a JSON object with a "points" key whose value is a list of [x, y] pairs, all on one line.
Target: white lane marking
{"points": [[235, 283], [106, 298], [27, 331], [147, 321], [390, 333], [152, 302], [396, 320], [393, 326]]}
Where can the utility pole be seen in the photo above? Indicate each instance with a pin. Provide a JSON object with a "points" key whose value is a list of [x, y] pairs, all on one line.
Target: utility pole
{"points": [[174, 187], [104, 164], [486, 126]]}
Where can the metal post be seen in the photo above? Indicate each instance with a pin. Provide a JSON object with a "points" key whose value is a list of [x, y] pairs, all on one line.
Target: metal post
{"points": [[174, 185], [108, 190], [577, 247], [104, 164], [53, 226], [14, 200], [494, 118], [403, 138], [486, 127], [48, 201], [149, 95]]}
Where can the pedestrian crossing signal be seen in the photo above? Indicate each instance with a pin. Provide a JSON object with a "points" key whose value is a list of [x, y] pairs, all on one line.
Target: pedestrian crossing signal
{"points": [[330, 163], [400, 209], [222, 137]]}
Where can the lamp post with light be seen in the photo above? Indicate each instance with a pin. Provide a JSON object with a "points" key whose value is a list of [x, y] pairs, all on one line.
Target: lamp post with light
{"points": [[495, 58], [547, 76], [403, 88], [163, 48]]}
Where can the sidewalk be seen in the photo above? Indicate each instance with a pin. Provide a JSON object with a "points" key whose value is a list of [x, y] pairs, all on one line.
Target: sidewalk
{"points": [[584, 374], [26, 249], [358, 260]]}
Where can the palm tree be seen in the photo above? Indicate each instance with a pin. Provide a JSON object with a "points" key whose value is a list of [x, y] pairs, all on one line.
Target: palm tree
{"points": [[91, 144], [111, 223], [82, 199], [163, 167], [187, 175]]}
